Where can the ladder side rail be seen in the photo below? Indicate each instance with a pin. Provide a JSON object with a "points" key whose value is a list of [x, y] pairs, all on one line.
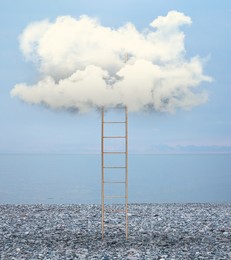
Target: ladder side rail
{"points": [[126, 174], [102, 171]]}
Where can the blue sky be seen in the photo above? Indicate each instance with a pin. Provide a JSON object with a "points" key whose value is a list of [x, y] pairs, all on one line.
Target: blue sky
{"points": [[35, 129]]}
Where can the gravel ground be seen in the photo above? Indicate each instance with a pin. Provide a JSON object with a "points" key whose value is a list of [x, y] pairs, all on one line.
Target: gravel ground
{"points": [[156, 231]]}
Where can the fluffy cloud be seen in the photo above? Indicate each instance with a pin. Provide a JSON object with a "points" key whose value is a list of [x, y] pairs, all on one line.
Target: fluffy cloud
{"points": [[86, 65]]}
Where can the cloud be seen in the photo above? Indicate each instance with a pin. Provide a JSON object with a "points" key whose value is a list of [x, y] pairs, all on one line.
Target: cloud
{"points": [[86, 65]]}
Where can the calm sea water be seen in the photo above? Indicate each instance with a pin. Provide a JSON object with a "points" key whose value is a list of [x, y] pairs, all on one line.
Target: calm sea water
{"points": [[152, 178]]}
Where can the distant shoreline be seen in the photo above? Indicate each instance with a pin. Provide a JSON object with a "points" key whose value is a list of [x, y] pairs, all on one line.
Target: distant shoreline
{"points": [[130, 153]]}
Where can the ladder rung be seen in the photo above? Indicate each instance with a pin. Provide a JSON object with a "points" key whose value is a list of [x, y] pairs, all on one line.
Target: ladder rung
{"points": [[114, 167], [115, 152], [114, 136], [114, 197], [111, 122], [114, 182]]}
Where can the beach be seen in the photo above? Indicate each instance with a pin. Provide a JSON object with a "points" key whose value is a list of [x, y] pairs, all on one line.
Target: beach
{"points": [[156, 231]]}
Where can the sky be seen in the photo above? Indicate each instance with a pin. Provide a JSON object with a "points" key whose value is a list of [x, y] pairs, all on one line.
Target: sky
{"points": [[32, 128]]}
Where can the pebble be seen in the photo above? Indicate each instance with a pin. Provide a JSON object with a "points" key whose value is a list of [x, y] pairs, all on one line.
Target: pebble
{"points": [[156, 231]]}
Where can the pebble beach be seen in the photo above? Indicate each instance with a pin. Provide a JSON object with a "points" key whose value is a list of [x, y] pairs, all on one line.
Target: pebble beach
{"points": [[156, 231]]}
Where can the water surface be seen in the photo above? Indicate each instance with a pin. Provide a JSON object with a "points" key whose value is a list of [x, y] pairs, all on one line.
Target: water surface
{"points": [[52, 178]]}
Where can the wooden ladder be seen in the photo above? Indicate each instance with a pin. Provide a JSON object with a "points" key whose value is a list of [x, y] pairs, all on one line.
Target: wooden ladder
{"points": [[106, 168]]}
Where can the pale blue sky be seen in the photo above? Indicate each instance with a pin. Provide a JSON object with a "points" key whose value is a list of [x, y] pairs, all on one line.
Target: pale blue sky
{"points": [[35, 129]]}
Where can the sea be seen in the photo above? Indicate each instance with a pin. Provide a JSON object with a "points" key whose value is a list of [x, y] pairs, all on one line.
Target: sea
{"points": [[152, 178]]}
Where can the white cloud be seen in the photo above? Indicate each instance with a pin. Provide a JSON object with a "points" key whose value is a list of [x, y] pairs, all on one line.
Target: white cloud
{"points": [[83, 65]]}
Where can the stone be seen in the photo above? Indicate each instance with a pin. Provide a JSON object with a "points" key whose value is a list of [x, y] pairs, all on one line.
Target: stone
{"points": [[69, 232]]}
